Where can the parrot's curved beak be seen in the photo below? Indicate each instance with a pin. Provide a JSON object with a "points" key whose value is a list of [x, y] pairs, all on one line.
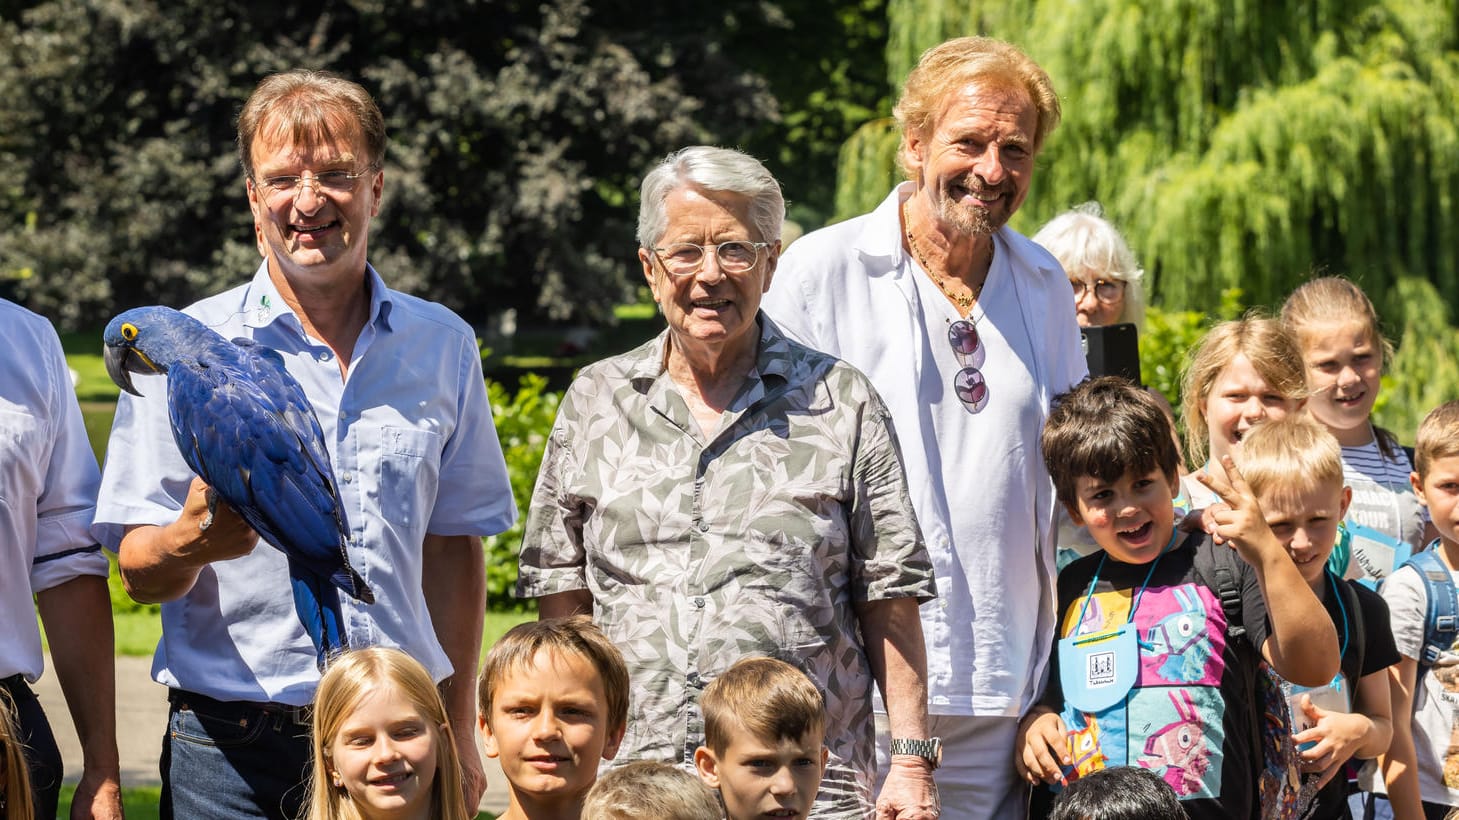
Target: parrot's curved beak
{"points": [[120, 361]]}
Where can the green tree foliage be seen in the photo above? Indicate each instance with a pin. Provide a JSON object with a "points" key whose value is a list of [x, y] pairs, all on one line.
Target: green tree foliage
{"points": [[1425, 371], [523, 422], [1236, 143], [519, 132], [825, 63]]}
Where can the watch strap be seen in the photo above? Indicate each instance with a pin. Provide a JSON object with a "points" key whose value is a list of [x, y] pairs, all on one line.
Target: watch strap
{"points": [[929, 749]]}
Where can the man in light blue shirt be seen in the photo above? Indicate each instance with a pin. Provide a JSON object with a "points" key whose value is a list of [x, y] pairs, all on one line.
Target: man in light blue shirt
{"points": [[397, 385]]}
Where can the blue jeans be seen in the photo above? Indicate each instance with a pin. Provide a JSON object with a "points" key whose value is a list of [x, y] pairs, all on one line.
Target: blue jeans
{"points": [[41, 755], [1377, 807], [229, 760]]}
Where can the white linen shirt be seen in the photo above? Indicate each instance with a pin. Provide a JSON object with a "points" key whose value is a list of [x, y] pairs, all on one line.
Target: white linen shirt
{"points": [[48, 481], [849, 290], [414, 450]]}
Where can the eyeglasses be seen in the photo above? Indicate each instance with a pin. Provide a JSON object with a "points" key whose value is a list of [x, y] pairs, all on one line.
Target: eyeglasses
{"points": [[325, 182], [968, 383], [686, 258], [1105, 290]]}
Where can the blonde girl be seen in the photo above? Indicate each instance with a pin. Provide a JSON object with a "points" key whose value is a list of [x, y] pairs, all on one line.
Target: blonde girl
{"points": [[1343, 353], [1243, 372], [382, 743], [14, 772]]}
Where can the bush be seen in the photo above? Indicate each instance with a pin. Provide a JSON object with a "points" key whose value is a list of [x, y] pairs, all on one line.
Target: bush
{"points": [[523, 422], [1425, 371], [1171, 336]]}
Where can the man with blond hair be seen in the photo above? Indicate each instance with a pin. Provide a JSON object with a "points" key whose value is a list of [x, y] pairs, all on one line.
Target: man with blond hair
{"points": [[967, 330], [397, 385]]}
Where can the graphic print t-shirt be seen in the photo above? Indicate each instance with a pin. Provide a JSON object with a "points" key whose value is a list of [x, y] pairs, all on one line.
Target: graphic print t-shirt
{"points": [[1189, 716]]}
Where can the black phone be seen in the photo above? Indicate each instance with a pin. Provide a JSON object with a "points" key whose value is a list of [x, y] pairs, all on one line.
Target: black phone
{"points": [[1112, 350]]}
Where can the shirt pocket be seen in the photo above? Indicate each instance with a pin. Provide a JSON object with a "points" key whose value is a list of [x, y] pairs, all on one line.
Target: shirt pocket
{"points": [[23, 441], [410, 471]]}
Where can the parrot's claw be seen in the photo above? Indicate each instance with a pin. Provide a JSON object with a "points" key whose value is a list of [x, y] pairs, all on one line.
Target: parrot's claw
{"points": [[207, 521]]}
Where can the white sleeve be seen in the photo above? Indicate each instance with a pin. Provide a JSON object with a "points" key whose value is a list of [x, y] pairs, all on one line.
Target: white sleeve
{"points": [[64, 547]]}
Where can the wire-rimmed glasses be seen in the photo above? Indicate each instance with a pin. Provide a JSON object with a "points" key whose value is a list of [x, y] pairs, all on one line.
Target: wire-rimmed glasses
{"points": [[324, 182], [1107, 291], [968, 383], [687, 258]]}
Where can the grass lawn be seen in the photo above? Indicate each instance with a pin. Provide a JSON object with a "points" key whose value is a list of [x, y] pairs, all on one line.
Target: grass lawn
{"points": [[141, 803], [137, 803]]}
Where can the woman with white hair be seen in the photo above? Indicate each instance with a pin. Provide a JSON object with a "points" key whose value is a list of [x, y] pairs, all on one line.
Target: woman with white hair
{"points": [[1100, 266], [723, 491], [1107, 291]]}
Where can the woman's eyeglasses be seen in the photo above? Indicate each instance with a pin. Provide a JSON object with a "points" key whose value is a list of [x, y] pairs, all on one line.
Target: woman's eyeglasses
{"points": [[967, 383], [1107, 291]]}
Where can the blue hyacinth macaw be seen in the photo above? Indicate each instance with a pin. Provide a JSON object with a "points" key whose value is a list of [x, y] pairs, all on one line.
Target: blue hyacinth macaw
{"points": [[245, 427]]}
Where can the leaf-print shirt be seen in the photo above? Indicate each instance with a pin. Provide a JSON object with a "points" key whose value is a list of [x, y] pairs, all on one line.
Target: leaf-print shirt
{"points": [[758, 540]]}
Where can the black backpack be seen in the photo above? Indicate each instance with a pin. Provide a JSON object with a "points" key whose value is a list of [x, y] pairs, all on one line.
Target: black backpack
{"points": [[1284, 793]]}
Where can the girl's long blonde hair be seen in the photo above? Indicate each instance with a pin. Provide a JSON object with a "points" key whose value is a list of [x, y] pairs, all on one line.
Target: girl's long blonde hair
{"points": [[350, 677], [14, 771]]}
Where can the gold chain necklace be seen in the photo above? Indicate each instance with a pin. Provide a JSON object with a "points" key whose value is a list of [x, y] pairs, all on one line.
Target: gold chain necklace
{"points": [[963, 300]]}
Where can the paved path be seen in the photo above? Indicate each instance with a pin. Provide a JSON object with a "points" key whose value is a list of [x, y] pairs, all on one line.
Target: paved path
{"points": [[142, 720]]}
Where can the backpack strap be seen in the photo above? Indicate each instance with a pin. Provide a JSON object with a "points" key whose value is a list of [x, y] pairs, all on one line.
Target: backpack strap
{"points": [[1358, 636], [1442, 621], [1218, 569]]}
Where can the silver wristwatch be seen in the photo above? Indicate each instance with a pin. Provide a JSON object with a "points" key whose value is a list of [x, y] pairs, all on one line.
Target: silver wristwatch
{"points": [[929, 750]]}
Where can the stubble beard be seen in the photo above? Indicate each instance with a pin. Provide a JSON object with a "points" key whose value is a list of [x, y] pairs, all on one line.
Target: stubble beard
{"points": [[970, 220]]}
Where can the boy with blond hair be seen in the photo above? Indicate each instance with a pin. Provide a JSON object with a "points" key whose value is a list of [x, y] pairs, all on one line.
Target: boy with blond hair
{"points": [[554, 702], [1161, 633], [1421, 769], [764, 732], [649, 788], [1294, 468]]}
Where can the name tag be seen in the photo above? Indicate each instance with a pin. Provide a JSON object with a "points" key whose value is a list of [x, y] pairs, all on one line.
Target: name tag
{"points": [[1097, 671]]}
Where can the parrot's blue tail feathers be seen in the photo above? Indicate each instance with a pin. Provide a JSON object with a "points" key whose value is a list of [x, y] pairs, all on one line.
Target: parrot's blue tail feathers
{"points": [[317, 604], [353, 584]]}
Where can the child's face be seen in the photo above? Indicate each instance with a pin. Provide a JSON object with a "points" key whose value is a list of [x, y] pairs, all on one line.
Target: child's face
{"points": [[1131, 518], [1344, 368], [1240, 398], [757, 778], [385, 754], [549, 726], [1304, 517], [1439, 491]]}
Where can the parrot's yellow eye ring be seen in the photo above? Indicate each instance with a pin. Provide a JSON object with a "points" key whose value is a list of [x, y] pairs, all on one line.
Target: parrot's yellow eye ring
{"points": [[129, 331]]}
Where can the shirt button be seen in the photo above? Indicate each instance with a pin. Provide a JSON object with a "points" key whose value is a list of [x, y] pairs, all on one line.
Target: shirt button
{"points": [[704, 526], [346, 477], [698, 603]]}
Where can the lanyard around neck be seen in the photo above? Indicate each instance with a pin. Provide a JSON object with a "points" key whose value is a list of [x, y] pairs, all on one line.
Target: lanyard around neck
{"points": [[1135, 604], [1343, 613]]}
